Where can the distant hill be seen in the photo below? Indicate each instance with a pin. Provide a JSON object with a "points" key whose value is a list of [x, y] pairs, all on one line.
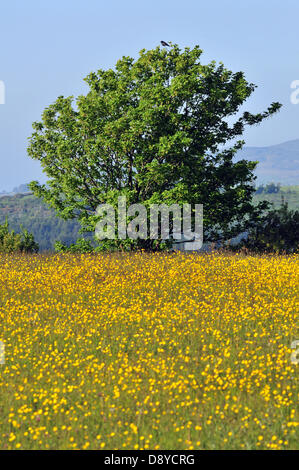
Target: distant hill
{"points": [[35, 216], [278, 163]]}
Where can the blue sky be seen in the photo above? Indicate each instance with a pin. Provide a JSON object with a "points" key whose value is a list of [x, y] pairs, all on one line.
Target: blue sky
{"points": [[48, 47]]}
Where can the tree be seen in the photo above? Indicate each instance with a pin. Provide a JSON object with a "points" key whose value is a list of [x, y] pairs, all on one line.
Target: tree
{"points": [[260, 189], [154, 130], [272, 188]]}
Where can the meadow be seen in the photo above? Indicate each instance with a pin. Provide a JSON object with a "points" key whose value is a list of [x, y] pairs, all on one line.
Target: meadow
{"points": [[149, 351]]}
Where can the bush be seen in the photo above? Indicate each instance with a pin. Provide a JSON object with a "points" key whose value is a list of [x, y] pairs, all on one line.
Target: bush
{"points": [[81, 246], [11, 242], [277, 231]]}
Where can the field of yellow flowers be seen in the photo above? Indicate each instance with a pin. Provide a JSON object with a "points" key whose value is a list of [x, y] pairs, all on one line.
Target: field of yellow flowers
{"points": [[148, 351]]}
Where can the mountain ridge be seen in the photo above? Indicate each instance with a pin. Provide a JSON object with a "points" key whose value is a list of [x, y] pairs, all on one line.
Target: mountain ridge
{"points": [[278, 163]]}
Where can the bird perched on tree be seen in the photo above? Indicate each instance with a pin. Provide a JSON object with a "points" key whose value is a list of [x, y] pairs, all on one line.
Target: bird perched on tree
{"points": [[165, 44]]}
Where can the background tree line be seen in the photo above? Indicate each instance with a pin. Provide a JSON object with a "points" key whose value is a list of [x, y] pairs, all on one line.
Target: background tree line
{"points": [[31, 213]]}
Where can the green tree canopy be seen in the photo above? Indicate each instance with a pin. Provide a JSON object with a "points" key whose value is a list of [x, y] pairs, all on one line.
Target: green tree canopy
{"points": [[154, 129]]}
